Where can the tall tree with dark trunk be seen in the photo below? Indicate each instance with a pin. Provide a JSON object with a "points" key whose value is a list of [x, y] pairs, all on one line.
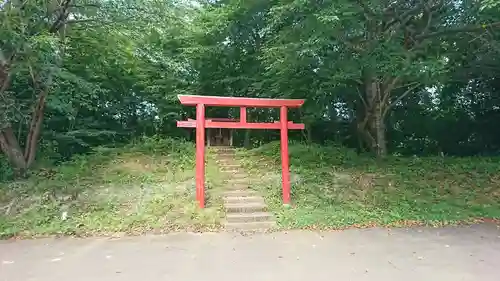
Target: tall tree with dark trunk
{"points": [[388, 49], [33, 17]]}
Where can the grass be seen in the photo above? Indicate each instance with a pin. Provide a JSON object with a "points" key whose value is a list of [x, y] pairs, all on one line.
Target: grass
{"points": [[333, 187], [147, 186]]}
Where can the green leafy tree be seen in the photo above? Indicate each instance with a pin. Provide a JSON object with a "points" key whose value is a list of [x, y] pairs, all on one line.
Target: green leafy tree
{"points": [[387, 51]]}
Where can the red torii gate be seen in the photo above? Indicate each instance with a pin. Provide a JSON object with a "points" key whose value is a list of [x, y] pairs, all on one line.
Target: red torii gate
{"points": [[201, 123]]}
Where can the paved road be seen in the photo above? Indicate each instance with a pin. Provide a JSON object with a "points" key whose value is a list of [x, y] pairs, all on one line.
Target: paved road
{"points": [[463, 253]]}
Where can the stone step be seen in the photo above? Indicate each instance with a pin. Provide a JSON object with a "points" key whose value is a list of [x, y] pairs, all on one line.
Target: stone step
{"points": [[236, 181], [250, 226], [239, 176], [240, 193], [239, 186], [235, 171], [223, 149], [242, 184], [245, 207], [229, 166], [236, 178], [226, 153], [249, 217], [229, 161], [235, 167], [242, 199]]}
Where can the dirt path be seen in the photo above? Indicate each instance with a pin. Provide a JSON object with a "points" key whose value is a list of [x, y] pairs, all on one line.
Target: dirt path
{"points": [[449, 254]]}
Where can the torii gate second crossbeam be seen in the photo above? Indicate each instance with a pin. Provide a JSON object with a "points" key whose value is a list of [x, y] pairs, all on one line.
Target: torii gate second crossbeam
{"points": [[201, 123]]}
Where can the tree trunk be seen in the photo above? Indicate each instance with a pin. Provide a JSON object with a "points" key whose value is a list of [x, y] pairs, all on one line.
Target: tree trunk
{"points": [[4, 78], [8, 141], [308, 133], [35, 128], [9, 144], [372, 128], [379, 130], [246, 142], [10, 147]]}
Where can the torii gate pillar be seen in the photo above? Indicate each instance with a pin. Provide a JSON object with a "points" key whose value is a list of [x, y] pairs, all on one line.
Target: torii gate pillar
{"points": [[201, 123]]}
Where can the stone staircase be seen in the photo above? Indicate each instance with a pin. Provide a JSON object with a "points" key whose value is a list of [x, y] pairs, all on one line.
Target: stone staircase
{"points": [[245, 208]]}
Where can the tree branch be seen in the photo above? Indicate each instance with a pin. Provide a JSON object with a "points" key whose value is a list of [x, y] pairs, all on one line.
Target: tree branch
{"points": [[97, 21], [349, 44], [401, 97], [86, 5], [389, 87], [457, 30], [80, 21], [366, 10], [428, 12], [63, 15], [5, 76], [403, 18], [361, 97]]}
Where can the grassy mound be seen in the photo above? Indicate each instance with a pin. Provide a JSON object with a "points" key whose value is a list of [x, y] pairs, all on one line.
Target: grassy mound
{"points": [[146, 186], [334, 187]]}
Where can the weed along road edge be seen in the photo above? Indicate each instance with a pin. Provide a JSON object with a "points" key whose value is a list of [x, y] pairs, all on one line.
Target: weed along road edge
{"points": [[431, 254]]}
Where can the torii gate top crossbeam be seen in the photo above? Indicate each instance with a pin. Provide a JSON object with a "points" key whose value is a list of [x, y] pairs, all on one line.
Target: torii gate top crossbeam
{"points": [[237, 101]]}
